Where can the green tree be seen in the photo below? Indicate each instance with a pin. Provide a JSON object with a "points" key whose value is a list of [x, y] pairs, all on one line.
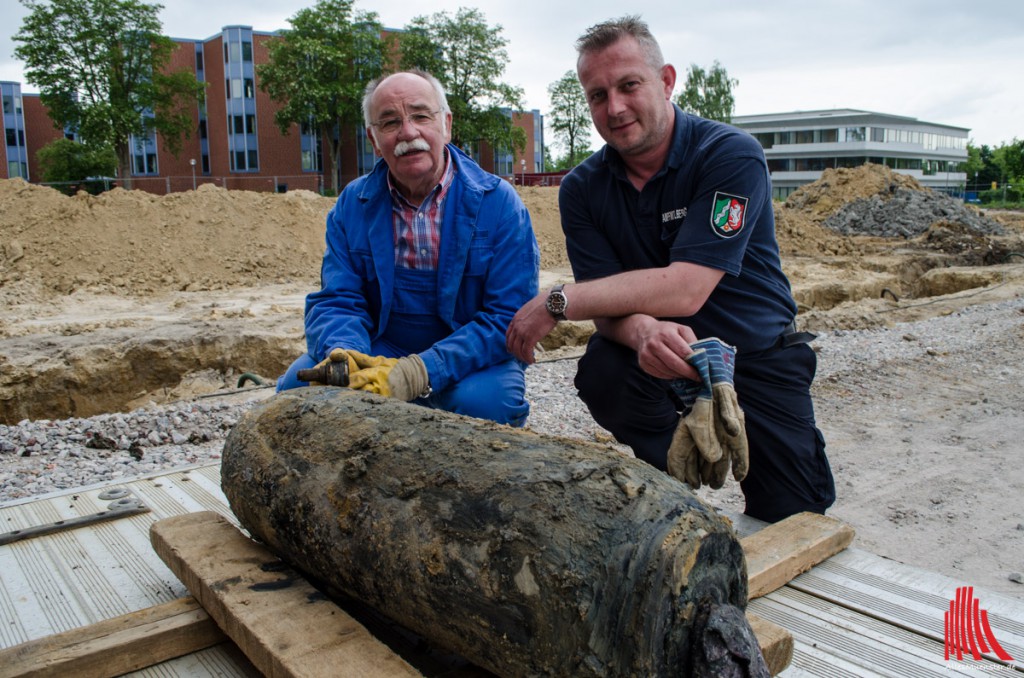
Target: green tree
{"points": [[100, 66], [981, 168], [64, 160], [570, 117], [1012, 160], [709, 93], [317, 71], [468, 57]]}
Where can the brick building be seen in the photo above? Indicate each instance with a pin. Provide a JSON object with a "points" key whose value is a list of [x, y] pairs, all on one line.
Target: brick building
{"points": [[236, 143]]}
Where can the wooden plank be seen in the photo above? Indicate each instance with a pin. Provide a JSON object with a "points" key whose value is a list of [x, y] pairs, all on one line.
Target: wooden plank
{"points": [[116, 646], [790, 547], [280, 621], [776, 643]]}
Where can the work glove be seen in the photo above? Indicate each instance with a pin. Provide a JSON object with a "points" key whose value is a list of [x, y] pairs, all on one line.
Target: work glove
{"points": [[695, 439], [402, 378], [711, 435], [730, 422]]}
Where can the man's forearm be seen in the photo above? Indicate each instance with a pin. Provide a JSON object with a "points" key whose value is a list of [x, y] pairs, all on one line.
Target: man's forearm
{"points": [[677, 290], [624, 330]]}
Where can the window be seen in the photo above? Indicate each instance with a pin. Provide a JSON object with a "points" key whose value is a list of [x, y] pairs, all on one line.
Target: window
{"points": [[804, 136], [202, 129], [878, 134], [199, 60], [144, 163], [12, 137], [8, 104], [233, 52], [766, 139], [17, 169], [250, 124], [246, 51], [854, 133], [250, 91], [239, 161], [239, 124], [254, 163], [828, 135]]}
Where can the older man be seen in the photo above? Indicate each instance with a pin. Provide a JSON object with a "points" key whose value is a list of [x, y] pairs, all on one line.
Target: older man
{"points": [[671, 236], [428, 257]]}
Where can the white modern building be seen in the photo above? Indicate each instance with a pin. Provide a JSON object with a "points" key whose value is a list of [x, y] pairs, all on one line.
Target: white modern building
{"points": [[802, 144]]}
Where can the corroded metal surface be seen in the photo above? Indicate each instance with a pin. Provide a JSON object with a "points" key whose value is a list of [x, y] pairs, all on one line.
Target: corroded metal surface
{"points": [[527, 554]]}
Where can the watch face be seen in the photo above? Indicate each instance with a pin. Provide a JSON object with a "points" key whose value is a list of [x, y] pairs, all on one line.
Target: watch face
{"points": [[556, 303]]}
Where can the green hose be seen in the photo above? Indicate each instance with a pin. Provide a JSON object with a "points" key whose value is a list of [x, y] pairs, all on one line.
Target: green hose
{"points": [[249, 376]]}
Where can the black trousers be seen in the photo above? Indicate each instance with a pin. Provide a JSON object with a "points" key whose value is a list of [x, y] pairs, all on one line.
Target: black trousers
{"points": [[789, 471]]}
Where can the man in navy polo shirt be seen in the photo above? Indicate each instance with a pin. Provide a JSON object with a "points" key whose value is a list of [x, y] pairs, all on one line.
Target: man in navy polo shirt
{"points": [[671, 236]]}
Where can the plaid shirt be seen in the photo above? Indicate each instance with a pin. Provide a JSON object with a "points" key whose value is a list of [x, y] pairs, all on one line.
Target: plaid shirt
{"points": [[418, 229]]}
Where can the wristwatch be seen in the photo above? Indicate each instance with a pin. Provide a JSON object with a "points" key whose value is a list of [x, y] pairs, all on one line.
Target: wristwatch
{"points": [[557, 302]]}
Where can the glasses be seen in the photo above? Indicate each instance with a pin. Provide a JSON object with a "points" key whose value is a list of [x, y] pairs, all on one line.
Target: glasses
{"points": [[419, 119]]}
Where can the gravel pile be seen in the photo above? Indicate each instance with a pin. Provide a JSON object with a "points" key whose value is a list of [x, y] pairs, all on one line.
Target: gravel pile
{"points": [[38, 457], [907, 213]]}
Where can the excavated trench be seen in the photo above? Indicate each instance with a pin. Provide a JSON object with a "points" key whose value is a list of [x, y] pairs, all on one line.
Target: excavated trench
{"points": [[62, 377], [90, 373]]}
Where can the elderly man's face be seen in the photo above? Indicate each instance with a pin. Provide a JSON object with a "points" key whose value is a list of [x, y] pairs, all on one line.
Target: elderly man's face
{"points": [[409, 131]]}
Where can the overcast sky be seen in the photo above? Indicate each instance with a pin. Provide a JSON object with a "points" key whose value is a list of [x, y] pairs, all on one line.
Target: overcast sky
{"points": [[955, 63]]}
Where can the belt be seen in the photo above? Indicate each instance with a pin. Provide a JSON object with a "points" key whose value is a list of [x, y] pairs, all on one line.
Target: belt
{"points": [[791, 337]]}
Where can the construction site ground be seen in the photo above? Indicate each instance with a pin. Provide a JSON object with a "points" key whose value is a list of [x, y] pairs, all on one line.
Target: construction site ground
{"points": [[125, 299]]}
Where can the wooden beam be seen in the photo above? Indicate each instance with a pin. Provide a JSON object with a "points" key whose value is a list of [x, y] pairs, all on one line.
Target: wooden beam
{"points": [[282, 624], [776, 643], [779, 552], [116, 646]]}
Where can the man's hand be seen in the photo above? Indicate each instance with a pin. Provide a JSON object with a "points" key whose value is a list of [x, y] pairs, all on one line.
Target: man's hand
{"points": [[529, 325], [663, 347], [402, 378]]}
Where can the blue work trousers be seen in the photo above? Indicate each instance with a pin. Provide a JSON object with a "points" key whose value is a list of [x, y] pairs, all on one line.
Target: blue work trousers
{"points": [[497, 392]]}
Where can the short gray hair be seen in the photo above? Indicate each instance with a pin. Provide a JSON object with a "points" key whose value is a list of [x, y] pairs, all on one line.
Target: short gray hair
{"points": [[607, 33], [372, 86]]}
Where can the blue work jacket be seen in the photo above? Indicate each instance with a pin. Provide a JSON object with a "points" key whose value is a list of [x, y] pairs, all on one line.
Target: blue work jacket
{"points": [[488, 266]]}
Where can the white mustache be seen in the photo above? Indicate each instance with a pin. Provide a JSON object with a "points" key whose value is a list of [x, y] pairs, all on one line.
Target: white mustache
{"points": [[403, 147]]}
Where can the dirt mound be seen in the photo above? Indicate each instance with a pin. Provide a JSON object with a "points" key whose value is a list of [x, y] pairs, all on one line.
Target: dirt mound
{"points": [[838, 187], [134, 243]]}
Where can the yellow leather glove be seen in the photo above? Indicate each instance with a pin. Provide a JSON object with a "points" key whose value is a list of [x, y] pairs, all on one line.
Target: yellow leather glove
{"points": [[402, 378]]}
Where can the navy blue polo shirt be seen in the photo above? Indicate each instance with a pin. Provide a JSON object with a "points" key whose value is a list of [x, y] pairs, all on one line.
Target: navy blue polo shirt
{"points": [[710, 205]]}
